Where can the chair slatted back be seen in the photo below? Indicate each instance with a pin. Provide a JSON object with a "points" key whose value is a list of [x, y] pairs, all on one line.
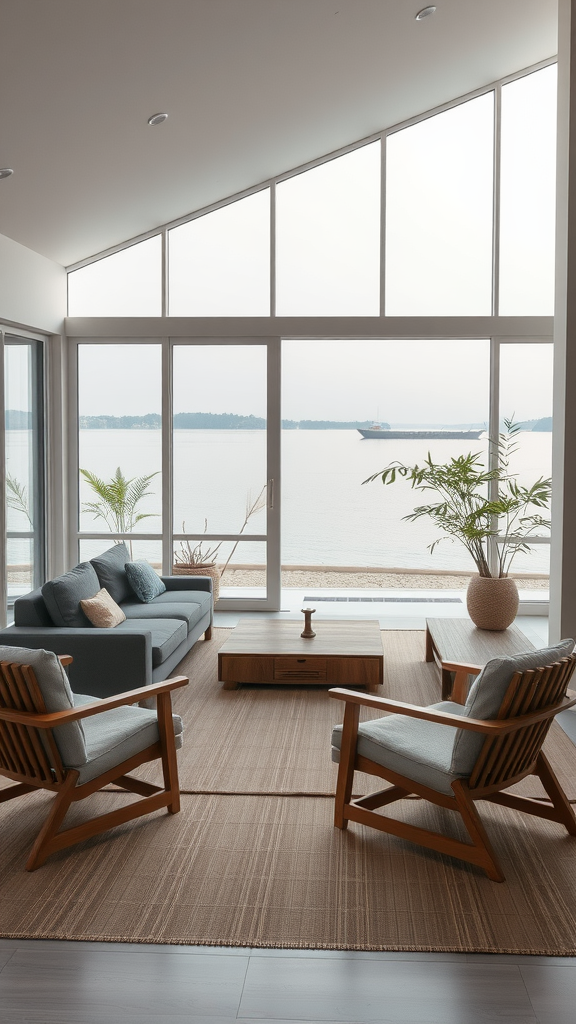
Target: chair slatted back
{"points": [[515, 753], [27, 754]]}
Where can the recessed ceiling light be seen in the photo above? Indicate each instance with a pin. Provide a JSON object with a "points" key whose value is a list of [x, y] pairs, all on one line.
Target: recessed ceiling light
{"points": [[425, 13], [5, 172], [157, 118]]}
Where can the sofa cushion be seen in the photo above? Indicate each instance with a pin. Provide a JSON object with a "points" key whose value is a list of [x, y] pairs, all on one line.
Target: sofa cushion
{"points": [[183, 598], [114, 736], [57, 695], [166, 634], [102, 610], [145, 583], [109, 568], [62, 596], [189, 612]]}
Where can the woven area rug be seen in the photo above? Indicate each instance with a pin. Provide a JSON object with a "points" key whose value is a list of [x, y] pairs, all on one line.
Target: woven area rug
{"points": [[253, 858]]}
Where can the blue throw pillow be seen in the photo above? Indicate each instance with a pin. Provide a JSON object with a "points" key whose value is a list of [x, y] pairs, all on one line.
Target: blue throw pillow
{"points": [[145, 583]]}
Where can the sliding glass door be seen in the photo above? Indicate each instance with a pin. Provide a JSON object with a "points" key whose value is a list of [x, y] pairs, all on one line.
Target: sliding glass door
{"points": [[24, 467], [225, 467], [178, 455]]}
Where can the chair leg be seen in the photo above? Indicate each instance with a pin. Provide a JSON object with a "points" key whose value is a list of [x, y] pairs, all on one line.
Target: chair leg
{"points": [[208, 633], [169, 761], [346, 766], [558, 798], [60, 805], [477, 832]]}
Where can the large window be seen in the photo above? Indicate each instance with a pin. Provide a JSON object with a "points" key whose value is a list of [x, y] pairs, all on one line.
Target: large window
{"points": [[333, 388], [449, 215], [127, 283], [120, 447], [526, 398], [328, 238], [24, 459], [439, 193], [469, 228], [220, 461], [528, 194], [220, 263]]}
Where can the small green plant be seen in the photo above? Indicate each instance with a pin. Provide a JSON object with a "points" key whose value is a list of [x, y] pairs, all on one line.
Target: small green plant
{"points": [[477, 504], [118, 500], [17, 497]]}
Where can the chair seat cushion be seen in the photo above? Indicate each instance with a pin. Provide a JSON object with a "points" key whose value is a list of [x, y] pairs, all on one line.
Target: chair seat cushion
{"points": [[167, 635], [188, 611], [114, 736], [419, 750]]}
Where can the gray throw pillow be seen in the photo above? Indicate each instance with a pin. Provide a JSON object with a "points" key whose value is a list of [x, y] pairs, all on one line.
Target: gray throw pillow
{"points": [[62, 596], [145, 583], [109, 568], [55, 689]]}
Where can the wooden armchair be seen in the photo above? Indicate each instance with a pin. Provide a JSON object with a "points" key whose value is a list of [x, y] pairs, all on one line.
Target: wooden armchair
{"points": [[455, 754], [53, 739]]}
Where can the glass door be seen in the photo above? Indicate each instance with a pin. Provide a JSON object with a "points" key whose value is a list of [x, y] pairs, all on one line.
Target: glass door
{"points": [[225, 468], [24, 467]]}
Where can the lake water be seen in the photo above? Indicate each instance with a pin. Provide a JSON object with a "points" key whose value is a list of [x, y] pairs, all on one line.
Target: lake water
{"points": [[328, 516]]}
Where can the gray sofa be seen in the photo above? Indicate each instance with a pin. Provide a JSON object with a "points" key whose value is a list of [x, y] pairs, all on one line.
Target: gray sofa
{"points": [[144, 649]]}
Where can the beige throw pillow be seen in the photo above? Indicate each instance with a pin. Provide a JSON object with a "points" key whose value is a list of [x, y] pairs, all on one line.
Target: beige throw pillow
{"points": [[102, 610]]}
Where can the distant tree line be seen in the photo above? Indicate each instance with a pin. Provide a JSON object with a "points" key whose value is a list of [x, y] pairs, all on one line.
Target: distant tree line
{"points": [[17, 419], [210, 421]]}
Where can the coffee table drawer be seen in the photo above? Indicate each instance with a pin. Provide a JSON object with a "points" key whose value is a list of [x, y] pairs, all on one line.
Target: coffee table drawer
{"points": [[295, 667], [366, 672]]}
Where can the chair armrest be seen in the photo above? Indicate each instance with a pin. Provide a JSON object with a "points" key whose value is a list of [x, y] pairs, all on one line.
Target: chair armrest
{"points": [[493, 727], [65, 659], [50, 720]]}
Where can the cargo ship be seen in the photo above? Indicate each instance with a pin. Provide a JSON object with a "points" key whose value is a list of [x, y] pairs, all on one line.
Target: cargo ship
{"points": [[385, 434]]}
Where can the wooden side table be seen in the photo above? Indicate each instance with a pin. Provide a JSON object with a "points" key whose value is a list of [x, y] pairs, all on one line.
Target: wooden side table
{"points": [[459, 641]]}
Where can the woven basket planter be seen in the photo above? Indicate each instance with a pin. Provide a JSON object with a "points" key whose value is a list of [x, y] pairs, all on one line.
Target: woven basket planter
{"points": [[492, 603], [200, 569]]}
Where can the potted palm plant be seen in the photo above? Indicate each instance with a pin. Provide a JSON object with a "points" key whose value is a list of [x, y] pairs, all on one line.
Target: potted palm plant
{"points": [[118, 499], [475, 505]]}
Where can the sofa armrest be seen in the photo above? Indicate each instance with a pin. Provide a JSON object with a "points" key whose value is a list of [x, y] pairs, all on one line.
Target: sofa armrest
{"points": [[188, 583], [105, 661]]}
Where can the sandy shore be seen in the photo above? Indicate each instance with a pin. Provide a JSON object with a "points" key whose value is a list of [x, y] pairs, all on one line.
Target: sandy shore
{"points": [[370, 579]]}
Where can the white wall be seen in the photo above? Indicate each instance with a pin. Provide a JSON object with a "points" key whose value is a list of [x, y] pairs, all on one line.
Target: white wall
{"points": [[32, 289]]}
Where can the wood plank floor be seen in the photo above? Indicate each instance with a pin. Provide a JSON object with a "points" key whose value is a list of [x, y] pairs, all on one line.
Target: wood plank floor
{"points": [[48, 982]]}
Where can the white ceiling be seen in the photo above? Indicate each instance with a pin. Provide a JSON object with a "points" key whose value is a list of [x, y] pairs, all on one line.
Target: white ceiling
{"points": [[253, 88]]}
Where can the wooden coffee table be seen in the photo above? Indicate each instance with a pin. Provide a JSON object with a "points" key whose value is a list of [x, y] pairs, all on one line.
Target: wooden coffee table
{"points": [[460, 641], [344, 653]]}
